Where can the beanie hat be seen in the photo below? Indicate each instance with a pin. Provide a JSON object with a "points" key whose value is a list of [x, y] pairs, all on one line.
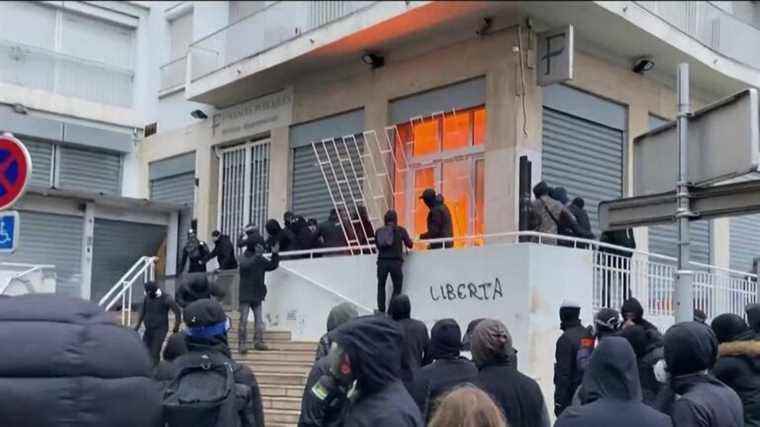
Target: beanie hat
{"points": [[607, 320], [690, 347], [340, 314], [491, 342], [445, 339], [728, 326], [632, 306], [205, 318]]}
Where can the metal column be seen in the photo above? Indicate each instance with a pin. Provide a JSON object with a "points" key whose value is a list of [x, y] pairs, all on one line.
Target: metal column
{"points": [[684, 294]]}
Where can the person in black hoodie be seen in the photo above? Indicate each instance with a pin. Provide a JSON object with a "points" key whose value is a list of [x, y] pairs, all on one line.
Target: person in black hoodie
{"points": [[339, 315], [372, 346], [646, 359], [738, 364], [439, 223], [206, 336], [65, 363], [567, 372], [155, 312], [331, 232], [195, 286], [448, 370], [253, 290], [692, 397], [633, 314], [583, 224], [224, 251], [390, 242], [196, 252], [416, 338], [518, 395], [277, 235], [753, 317], [613, 393], [175, 347]]}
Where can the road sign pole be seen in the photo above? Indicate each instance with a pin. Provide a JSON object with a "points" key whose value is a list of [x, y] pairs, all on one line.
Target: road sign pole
{"points": [[684, 295]]}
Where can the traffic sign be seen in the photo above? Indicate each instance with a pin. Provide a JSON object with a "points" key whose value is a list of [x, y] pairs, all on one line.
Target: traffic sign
{"points": [[9, 231], [15, 170]]}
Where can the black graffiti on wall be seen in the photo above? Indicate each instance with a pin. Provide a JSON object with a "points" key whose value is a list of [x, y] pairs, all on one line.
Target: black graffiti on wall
{"points": [[463, 291]]}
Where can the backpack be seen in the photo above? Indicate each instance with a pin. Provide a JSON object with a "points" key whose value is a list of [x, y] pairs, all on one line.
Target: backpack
{"points": [[385, 236], [203, 393]]}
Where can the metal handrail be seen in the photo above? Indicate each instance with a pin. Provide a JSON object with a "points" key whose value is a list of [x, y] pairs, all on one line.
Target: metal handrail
{"points": [[115, 287], [326, 288], [145, 268], [31, 269]]}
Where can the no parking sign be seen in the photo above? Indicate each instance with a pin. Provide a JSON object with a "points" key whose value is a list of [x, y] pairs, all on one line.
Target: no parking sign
{"points": [[15, 170]]}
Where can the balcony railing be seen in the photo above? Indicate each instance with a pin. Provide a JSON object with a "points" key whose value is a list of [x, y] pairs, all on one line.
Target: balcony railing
{"points": [[712, 27], [66, 75], [173, 74], [277, 23]]}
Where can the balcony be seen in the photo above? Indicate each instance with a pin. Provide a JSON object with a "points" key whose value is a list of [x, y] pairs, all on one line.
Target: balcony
{"points": [[38, 68], [173, 75]]}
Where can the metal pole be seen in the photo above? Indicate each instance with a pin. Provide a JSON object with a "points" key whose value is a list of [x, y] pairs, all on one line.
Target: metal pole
{"points": [[684, 305]]}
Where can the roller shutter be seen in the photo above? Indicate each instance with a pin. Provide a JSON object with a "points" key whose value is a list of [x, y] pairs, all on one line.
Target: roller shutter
{"points": [[42, 161], [89, 170], [179, 189], [745, 241]]}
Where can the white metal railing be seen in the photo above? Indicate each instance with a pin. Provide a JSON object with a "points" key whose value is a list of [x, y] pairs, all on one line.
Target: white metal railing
{"points": [[145, 269], [173, 74], [27, 269]]}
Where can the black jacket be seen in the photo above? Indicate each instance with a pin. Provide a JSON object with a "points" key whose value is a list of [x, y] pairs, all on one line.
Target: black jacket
{"points": [[434, 380], [253, 268], [197, 255], [373, 344], [613, 395], [582, 222], [155, 312], [416, 341], [623, 238], [396, 250], [331, 234], [195, 286], [649, 350], [65, 363], [439, 223], [253, 413], [518, 395], [313, 412], [224, 251], [567, 374], [739, 368]]}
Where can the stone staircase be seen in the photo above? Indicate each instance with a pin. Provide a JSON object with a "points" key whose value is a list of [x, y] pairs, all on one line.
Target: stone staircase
{"points": [[281, 371]]}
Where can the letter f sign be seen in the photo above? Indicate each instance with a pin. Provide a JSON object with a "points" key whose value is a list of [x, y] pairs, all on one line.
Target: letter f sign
{"points": [[552, 53]]}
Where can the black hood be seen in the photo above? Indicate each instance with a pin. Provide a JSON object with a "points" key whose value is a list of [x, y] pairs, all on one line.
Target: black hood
{"points": [[579, 202], [340, 314], [632, 305], [753, 316], [445, 339], [373, 344], [273, 227], [690, 347], [175, 347], [196, 282], [612, 372], [569, 317], [729, 327], [540, 189], [400, 308], [391, 217]]}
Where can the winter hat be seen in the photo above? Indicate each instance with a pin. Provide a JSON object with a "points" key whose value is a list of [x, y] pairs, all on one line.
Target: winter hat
{"points": [[753, 316], [540, 189], [445, 339], [491, 342], [633, 306], [607, 320], [690, 347], [175, 347], [637, 337], [728, 326], [400, 308], [205, 318], [340, 314], [569, 311]]}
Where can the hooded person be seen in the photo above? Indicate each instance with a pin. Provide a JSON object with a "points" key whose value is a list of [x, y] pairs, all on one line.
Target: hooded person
{"points": [[738, 364], [206, 340], [695, 397], [633, 314], [545, 211], [224, 251], [518, 395], [331, 232], [583, 224], [753, 316], [575, 338], [175, 346], [390, 240], [568, 224], [606, 324], [276, 234], [195, 286], [366, 354], [155, 312], [65, 363], [312, 412], [253, 267], [646, 359], [196, 252], [416, 339], [613, 392], [439, 225], [448, 370]]}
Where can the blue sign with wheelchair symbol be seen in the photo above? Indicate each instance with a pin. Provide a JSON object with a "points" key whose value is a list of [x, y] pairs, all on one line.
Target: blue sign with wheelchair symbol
{"points": [[9, 230]]}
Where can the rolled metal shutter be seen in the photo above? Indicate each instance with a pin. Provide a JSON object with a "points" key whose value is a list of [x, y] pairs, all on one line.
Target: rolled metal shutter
{"points": [[116, 247], [663, 240], [310, 196], [179, 189], [52, 239], [42, 161], [89, 170], [744, 241], [584, 157]]}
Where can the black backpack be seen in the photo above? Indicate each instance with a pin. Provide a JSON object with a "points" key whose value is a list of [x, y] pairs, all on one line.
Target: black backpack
{"points": [[385, 236], [204, 393]]}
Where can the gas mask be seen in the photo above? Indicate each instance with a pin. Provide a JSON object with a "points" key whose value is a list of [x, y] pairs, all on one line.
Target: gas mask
{"points": [[339, 378]]}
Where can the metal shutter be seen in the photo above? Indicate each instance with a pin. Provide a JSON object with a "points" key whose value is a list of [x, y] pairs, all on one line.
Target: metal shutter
{"points": [[744, 241], [179, 189], [663, 240], [89, 170], [56, 240], [117, 246], [310, 196], [42, 161], [584, 157]]}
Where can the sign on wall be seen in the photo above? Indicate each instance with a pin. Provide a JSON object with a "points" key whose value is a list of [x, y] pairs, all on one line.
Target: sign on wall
{"points": [[9, 231], [254, 116], [555, 55]]}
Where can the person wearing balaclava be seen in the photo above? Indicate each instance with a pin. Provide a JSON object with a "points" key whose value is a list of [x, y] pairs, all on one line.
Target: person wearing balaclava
{"points": [[224, 251], [738, 364], [416, 338], [574, 339], [753, 317], [518, 395], [439, 223], [312, 412], [366, 358], [206, 339], [253, 267], [614, 394], [155, 312], [633, 314], [448, 370], [692, 396], [196, 252]]}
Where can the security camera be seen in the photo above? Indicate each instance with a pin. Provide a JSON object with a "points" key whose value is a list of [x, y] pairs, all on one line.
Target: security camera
{"points": [[643, 65]]}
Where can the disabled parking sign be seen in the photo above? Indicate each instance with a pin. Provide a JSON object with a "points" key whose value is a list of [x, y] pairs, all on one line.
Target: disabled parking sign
{"points": [[9, 231], [15, 170]]}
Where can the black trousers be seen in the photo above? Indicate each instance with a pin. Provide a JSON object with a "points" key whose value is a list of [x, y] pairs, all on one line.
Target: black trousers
{"points": [[387, 267], [153, 340]]}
